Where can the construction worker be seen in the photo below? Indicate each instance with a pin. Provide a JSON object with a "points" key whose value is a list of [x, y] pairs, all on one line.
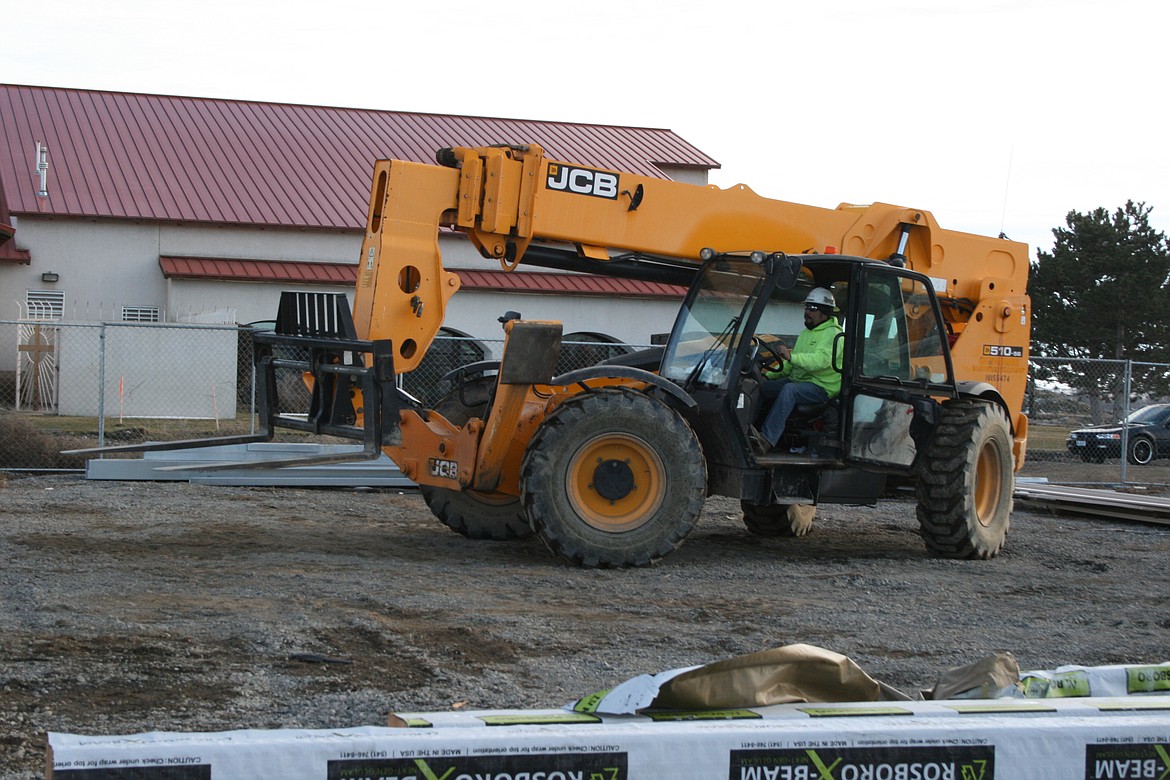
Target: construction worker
{"points": [[806, 374]]}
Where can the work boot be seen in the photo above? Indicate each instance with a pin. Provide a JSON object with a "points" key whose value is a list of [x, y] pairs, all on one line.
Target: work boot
{"points": [[760, 445]]}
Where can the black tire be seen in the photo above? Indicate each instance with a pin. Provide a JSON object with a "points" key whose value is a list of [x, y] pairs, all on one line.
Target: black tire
{"points": [[965, 484], [771, 521], [613, 478], [1141, 450], [491, 516]]}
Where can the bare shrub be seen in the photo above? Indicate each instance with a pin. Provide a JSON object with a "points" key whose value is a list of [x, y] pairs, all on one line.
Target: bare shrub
{"points": [[27, 447]]}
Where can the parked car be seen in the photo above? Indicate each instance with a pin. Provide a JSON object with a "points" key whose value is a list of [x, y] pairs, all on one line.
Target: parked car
{"points": [[1148, 432]]}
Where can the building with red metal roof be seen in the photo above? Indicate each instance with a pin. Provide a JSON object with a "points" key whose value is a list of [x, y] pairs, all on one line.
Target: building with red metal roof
{"points": [[121, 206]]}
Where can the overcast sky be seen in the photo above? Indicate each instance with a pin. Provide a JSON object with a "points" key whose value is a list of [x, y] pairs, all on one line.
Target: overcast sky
{"points": [[992, 114]]}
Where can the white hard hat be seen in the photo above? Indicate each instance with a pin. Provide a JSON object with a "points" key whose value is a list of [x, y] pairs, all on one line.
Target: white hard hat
{"points": [[821, 297]]}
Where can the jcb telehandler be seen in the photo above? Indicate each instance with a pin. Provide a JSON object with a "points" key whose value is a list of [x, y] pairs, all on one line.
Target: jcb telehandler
{"points": [[610, 464]]}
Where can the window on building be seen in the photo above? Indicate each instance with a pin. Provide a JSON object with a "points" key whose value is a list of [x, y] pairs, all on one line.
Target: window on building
{"points": [[140, 314], [44, 304]]}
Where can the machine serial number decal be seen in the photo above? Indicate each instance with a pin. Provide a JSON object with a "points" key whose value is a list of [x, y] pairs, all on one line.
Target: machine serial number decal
{"points": [[583, 181], [995, 350], [447, 469]]}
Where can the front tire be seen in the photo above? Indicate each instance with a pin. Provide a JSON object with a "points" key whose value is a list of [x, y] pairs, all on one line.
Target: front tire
{"points": [[965, 484], [1141, 451], [613, 478], [492, 516]]}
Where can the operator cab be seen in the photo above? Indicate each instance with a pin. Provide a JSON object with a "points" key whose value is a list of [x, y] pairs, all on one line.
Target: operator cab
{"points": [[892, 357]]}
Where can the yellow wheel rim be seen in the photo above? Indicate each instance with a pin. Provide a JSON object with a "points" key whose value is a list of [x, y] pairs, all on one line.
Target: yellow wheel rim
{"points": [[988, 483], [615, 482]]}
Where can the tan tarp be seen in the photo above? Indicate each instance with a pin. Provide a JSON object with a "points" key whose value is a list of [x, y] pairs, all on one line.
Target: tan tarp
{"points": [[805, 673], [987, 678], [793, 673]]}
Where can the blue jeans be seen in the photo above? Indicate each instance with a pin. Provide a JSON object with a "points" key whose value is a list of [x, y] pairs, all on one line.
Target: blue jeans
{"points": [[785, 395]]}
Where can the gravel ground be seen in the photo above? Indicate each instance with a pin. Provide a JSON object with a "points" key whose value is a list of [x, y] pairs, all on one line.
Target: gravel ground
{"points": [[130, 607]]}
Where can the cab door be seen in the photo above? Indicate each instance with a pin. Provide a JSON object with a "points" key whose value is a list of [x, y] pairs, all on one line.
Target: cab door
{"points": [[898, 366]]}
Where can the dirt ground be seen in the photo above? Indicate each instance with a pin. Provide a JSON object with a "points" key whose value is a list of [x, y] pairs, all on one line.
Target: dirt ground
{"points": [[131, 607]]}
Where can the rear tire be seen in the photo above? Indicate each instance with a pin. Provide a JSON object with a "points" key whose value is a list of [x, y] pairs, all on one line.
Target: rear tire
{"points": [[1141, 451], [965, 484], [613, 478], [492, 516], [778, 520]]}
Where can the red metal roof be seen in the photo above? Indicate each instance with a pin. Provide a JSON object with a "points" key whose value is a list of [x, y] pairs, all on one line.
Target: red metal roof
{"points": [[257, 270], [8, 250], [10, 254], [577, 284], [232, 269], [134, 156]]}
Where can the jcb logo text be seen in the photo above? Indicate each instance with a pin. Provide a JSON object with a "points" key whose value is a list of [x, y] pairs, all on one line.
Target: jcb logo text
{"points": [[582, 181], [447, 469]]}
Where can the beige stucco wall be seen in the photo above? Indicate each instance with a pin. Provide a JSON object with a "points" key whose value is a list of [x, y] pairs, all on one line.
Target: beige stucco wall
{"points": [[105, 265], [100, 266], [686, 175]]}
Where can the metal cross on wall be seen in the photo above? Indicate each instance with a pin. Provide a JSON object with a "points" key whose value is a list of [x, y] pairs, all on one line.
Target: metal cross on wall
{"points": [[36, 384]]}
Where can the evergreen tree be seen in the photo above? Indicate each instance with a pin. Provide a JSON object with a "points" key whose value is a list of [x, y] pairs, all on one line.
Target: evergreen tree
{"points": [[1103, 292]]}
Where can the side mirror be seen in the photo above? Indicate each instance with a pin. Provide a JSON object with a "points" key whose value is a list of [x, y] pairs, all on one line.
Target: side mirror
{"points": [[787, 270]]}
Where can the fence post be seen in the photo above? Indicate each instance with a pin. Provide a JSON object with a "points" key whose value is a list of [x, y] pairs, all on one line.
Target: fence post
{"points": [[1127, 384], [252, 395], [102, 385]]}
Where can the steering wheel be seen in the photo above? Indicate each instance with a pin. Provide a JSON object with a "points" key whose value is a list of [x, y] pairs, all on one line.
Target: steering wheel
{"points": [[768, 347]]}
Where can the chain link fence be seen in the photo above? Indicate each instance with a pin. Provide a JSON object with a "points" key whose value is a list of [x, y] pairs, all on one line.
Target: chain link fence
{"points": [[66, 385], [1077, 411]]}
